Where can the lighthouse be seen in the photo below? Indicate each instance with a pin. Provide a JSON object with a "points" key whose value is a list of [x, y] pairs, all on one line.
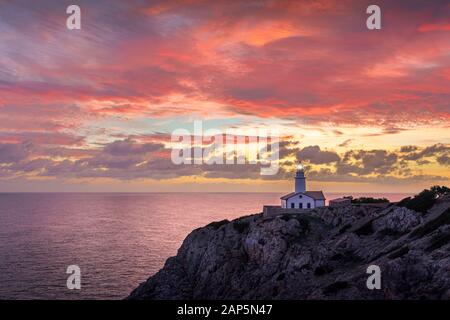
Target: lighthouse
{"points": [[300, 198], [300, 180]]}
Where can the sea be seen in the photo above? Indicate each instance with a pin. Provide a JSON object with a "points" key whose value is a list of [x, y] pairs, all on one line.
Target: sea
{"points": [[117, 240]]}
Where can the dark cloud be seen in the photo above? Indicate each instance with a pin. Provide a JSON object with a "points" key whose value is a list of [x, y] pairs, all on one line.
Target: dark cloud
{"points": [[128, 147], [287, 148], [365, 162], [346, 143], [436, 150], [12, 152], [315, 155], [444, 160], [408, 149]]}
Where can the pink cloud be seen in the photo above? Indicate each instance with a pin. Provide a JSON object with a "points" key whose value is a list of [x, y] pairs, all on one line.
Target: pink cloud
{"points": [[434, 27], [311, 61]]}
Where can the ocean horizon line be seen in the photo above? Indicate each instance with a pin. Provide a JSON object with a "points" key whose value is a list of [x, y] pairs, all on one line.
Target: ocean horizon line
{"points": [[193, 192]]}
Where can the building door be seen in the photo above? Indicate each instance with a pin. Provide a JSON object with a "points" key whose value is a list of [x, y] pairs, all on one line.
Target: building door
{"points": [[292, 205], [309, 205], [300, 205]]}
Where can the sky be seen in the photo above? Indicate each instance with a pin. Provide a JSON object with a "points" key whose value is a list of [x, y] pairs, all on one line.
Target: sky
{"points": [[95, 109]]}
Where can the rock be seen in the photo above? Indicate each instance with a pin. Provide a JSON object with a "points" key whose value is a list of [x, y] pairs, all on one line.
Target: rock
{"points": [[398, 220], [321, 254]]}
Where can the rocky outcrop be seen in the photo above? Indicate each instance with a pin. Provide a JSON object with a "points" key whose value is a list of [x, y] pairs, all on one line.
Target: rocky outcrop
{"points": [[322, 254]]}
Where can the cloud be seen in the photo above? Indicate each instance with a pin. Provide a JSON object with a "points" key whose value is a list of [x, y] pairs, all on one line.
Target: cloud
{"points": [[11, 153], [326, 175], [314, 155], [408, 149], [138, 67], [285, 60], [434, 27], [345, 143], [128, 159], [127, 148], [439, 149], [366, 162], [444, 160]]}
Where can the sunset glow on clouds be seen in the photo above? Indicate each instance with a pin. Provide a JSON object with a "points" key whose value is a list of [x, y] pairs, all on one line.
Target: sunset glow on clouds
{"points": [[93, 109]]}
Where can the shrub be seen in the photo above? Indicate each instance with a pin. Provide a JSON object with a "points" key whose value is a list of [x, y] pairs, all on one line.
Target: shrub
{"points": [[370, 200], [425, 199]]}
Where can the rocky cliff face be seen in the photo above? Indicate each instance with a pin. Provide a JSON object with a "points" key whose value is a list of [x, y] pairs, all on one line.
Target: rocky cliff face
{"points": [[323, 254]]}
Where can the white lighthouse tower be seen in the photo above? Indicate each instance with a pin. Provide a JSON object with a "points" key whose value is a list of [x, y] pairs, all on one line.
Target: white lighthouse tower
{"points": [[300, 180]]}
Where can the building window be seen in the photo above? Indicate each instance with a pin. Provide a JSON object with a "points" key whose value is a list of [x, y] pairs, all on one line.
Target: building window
{"points": [[309, 205], [292, 205], [300, 205]]}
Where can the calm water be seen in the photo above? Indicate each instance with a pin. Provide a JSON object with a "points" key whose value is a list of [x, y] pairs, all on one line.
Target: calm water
{"points": [[117, 240]]}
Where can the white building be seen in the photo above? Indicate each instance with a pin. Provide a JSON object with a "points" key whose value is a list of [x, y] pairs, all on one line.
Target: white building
{"points": [[302, 199]]}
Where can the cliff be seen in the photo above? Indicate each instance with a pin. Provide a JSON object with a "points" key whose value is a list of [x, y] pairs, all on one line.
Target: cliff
{"points": [[321, 254]]}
